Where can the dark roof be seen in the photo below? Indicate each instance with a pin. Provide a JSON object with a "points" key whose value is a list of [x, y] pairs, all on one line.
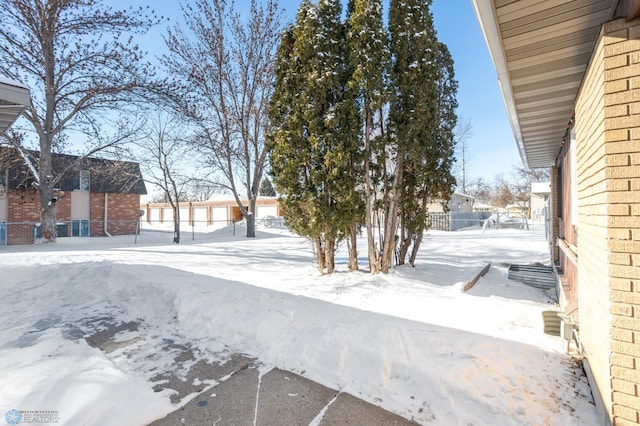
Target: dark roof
{"points": [[105, 176]]}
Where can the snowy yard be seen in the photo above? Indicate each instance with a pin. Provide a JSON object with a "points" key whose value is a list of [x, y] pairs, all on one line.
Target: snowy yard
{"points": [[412, 341]]}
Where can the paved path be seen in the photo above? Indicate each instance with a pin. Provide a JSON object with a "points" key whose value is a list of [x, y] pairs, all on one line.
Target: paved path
{"points": [[237, 392], [277, 398]]}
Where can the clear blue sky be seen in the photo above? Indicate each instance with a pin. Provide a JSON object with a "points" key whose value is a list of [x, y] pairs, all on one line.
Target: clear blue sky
{"points": [[492, 147]]}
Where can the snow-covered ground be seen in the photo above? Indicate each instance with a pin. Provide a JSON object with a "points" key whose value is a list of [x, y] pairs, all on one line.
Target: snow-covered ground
{"points": [[411, 341]]}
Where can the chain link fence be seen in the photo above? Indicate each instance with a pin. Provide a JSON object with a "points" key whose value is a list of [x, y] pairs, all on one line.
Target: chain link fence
{"points": [[28, 232], [453, 221], [21, 233]]}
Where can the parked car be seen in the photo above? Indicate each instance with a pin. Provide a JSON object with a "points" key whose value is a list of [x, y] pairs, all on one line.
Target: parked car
{"points": [[504, 220]]}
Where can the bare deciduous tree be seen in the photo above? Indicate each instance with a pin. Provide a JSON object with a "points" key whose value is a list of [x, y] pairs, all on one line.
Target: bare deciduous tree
{"points": [[462, 135], [78, 60], [162, 158], [225, 65], [480, 190], [201, 190], [517, 190]]}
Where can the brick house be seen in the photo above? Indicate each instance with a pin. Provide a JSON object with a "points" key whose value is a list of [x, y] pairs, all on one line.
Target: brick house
{"points": [[96, 197], [569, 71]]}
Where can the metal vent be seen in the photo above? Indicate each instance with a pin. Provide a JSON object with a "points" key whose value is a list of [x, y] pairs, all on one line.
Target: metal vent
{"points": [[538, 276]]}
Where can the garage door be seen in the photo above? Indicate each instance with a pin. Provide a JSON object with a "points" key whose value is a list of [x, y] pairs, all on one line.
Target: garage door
{"points": [[184, 215], [154, 215], [219, 216], [263, 211], [200, 215], [167, 215]]}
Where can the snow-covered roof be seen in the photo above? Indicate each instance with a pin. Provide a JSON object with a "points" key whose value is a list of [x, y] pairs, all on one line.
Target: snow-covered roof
{"points": [[483, 206], [522, 205], [221, 197], [460, 194], [229, 197]]}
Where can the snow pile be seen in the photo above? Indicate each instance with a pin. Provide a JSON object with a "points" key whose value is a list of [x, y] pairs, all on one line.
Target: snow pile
{"points": [[412, 341]]}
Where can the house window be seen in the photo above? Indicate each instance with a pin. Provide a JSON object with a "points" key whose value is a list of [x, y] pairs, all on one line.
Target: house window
{"points": [[79, 228], [82, 184], [3, 233]]}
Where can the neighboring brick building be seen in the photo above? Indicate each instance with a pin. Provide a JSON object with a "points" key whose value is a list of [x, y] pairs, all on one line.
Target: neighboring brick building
{"points": [[96, 197], [570, 75]]}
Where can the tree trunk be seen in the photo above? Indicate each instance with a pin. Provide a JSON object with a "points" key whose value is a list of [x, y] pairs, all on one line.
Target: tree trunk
{"points": [[46, 184], [374, 260], [405, 243], [330, 255], [251, 218], [48, 203], [419, 232], [374, 265], [391, 220], [353, 247], [176, 223], [319, 253], [414, 250], [48, 216]]}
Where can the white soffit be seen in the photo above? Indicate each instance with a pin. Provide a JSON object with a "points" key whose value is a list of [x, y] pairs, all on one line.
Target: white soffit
{"points": [[14, 97], [541, 49]]}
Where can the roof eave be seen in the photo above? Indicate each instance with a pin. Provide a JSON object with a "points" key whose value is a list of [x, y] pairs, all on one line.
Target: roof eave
{"points": [[489, 27], [14, 98]]}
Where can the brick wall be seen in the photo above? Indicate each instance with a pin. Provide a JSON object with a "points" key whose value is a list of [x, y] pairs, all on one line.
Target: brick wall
{"points": [[593, 269], [24, 213], [123, 214], [608, 165], [96, 212], [64, 211], [622, 160], [23, 206]]}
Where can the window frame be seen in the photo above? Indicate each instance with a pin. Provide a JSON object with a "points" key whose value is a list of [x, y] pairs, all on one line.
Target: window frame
{"points": [[80, 228]]}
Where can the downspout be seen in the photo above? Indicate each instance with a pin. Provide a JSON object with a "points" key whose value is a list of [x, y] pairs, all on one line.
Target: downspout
{"points": [[106, 198]]}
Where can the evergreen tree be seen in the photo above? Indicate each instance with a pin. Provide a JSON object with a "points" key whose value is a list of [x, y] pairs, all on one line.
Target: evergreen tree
{"points": [[266, 189], [412, 110], [367, 43], [341, 122], [429, 174], [362, 126], [315, 122], [289, 151]]}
